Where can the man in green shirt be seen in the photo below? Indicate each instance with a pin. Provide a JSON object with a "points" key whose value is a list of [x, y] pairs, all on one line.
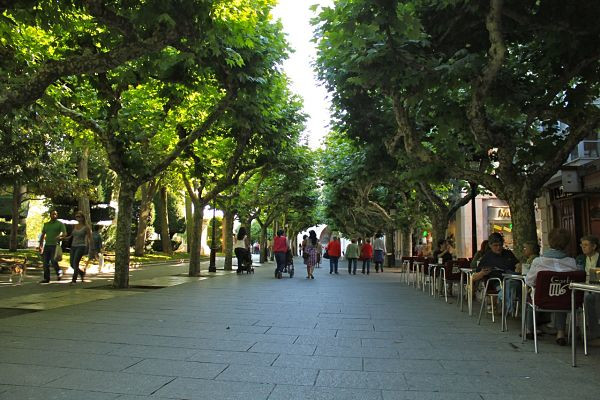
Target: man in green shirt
{"points": [[52, 231]]}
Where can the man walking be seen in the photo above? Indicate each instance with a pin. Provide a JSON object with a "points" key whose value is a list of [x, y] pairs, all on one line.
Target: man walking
{"points": [[52, 231]]}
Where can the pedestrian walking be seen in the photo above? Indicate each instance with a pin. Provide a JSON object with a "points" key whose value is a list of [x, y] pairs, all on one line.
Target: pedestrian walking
{"points": [[334, 249], [280, 248], [52, 233], [366, 253], [241, 248], [378, 251], [81, 241], [311, 253], [352, 256]]}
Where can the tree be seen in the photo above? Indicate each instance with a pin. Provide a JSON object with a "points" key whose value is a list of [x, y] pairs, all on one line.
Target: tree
{"points": [[46, 41], [509, 84]]}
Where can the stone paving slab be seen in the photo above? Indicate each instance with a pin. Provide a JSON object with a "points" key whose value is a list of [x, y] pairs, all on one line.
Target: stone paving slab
{"points": [[234, 357], [185, 369], [286, 392], [67, 360], [44, 393], [362, 380], [202, 389], [111, 382], [30, 375], [276, 375], [319, 362]]}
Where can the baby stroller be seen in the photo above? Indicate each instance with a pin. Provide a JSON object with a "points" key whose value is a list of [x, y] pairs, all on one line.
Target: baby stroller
{"points": [[247, 264], [289, 263]]}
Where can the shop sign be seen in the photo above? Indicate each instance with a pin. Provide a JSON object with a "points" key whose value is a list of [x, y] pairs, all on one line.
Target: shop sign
{"points": [[499, 213]]}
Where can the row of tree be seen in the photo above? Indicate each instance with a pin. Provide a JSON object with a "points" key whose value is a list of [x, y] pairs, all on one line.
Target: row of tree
{"points": [[150, 96], [434, 94]]}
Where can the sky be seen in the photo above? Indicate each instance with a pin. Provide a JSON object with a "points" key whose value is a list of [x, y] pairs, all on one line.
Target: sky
{"points": [[295, 16]]}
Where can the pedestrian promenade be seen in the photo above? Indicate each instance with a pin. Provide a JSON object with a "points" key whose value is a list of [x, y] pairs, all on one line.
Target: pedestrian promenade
{"points": [[256, 337]]}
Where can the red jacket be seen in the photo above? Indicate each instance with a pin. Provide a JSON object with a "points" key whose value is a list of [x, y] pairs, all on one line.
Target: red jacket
{"points": [[280, 244], [334, 248], [366, 251]]}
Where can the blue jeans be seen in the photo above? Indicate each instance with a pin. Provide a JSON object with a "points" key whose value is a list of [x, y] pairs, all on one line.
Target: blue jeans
{"points": [[75, 258], [351, 262], [48, 258], [333, 264], [280, 260], [367, 263]]}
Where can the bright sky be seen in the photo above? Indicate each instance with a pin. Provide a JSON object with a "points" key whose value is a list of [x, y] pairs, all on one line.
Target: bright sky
{"points": [[295, 16]]}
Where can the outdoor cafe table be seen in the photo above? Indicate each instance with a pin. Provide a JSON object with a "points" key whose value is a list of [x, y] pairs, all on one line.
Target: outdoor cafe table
{"points": [[585, 287], [505, 288], [418, 268], [468, 272], [433, 270]]}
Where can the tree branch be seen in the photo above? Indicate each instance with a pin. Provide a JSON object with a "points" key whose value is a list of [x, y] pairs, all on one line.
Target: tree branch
{"points": [[481, 87]]}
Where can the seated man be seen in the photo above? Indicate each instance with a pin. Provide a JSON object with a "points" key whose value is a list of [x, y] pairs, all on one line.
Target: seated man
{"points": [[591, 259], [555, 259], [496, 261]]}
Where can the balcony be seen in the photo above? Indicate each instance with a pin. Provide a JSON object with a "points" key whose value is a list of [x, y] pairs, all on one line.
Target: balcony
{"points": [[584, 152]]}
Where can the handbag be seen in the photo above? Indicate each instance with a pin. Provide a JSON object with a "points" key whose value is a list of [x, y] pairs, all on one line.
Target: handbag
{"points": [[58, 253], [326, 254]]}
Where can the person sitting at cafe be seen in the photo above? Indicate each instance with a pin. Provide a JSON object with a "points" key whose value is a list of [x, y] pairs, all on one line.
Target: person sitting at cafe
{"points": [[482, 250], [496, 261], [531, 250], [554, 259], [444, 251], [590, 259]]}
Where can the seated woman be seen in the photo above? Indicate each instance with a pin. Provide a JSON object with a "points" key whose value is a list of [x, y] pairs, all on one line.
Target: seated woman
{"points": [[555, 259]]}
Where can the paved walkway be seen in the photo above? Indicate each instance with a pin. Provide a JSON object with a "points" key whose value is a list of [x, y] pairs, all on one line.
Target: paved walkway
{"points": [[256, 337]]}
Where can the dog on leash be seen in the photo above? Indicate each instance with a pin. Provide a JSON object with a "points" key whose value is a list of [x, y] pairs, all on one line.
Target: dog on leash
{"points": [[17, 271]]}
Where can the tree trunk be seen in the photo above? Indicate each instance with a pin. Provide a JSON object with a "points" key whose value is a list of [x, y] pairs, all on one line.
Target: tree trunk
{"points": [[439, 226], [406, 250], [263, 243], [189, 222], [83, 202], [144, 218], [122, 243], [165, 238], [249, 229], [389, 246], [522, 211], [17, 198], [228, 238], [194, 250]]}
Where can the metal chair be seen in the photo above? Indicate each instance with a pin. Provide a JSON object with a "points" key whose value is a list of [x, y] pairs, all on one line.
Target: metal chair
{"points": [[552, 294], [450, 273], [492, 292]]}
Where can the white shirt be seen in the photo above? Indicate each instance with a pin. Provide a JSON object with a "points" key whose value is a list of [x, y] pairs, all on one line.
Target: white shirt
{"points": [[538, 264]]}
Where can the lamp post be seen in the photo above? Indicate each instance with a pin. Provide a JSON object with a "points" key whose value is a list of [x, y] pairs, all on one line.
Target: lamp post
{"points": [[212, 266], [473, 218]]}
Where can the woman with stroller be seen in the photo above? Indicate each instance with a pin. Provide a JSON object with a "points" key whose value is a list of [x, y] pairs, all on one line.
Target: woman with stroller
{"points": [[311, 252], [241, 248], [280, 248]]}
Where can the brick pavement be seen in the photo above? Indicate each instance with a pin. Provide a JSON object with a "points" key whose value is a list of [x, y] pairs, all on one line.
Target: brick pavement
{"points": [[256, 337]]}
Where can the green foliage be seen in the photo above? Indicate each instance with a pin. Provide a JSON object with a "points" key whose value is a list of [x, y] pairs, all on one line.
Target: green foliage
{"points": [[176, 214]]}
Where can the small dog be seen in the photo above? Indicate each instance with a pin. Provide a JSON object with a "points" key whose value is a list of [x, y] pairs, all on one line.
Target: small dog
{"points": [[18, 270]]}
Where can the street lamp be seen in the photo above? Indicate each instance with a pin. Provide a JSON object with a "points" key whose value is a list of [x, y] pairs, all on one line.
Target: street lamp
{"points": [[212, 266]]}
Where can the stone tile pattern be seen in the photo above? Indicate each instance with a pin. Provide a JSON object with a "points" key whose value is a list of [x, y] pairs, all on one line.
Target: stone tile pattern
{"points": [[255, 337]]}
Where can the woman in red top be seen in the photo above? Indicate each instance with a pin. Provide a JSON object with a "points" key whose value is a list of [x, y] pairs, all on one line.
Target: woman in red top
{"points": [[334, 249], [280, 248], [366, 253]]}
